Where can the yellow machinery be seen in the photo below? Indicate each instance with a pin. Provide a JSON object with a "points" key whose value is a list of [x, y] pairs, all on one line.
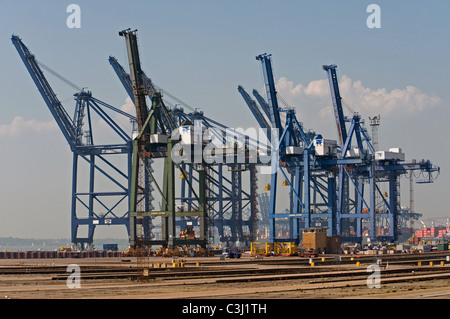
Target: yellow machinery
{"points": [[261, 249], [285, 249], [276, 249]]}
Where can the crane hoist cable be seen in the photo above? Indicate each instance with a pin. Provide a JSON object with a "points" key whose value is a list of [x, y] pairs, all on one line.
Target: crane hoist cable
{"points": [[59, 76], [284, 102], [348, 107], [165, 92]]}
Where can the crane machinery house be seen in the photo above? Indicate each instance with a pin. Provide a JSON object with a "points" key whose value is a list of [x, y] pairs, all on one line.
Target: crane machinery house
{"points": [[393, 154], [191, 134], [325, 147]]}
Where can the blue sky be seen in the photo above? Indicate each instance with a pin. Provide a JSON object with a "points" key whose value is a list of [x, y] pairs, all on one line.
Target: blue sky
{"points": [[201, 51]]}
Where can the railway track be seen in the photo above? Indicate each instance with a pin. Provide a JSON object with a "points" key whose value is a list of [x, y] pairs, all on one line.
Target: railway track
{"points": [[213, 279], [226, 275]]}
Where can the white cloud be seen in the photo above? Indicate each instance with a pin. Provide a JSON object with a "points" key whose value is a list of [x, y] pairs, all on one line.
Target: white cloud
{"points": [[19, 126], [123, 121], [317, 88], [361, 99], [128, 106]]}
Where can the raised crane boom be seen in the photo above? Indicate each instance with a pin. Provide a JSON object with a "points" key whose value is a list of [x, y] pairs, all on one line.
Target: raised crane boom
{"points": [[61, 116], [149, 89], [270, 91], [123, 76], [126, 79], [262, 103], [139, 89], [255, 110], [337, 102]]}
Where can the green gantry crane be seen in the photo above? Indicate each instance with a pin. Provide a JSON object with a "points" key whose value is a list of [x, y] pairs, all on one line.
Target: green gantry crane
{"points": [[155, 139]]}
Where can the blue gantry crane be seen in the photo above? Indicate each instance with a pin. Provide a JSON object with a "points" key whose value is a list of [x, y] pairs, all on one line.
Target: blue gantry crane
{"points": [[90, 206], [370, 170], [289, 144], [375, 168], [327, 178]]}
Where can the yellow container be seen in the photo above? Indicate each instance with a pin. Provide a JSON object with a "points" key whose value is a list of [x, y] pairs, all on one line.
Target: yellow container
{"points": [[197, 263], [323, 259], [312, 264], [431, 263], [419, 263], [442, 263], [358, 263]]}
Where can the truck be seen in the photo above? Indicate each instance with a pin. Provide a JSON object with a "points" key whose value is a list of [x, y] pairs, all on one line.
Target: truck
{"points": [[232, 253]]}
